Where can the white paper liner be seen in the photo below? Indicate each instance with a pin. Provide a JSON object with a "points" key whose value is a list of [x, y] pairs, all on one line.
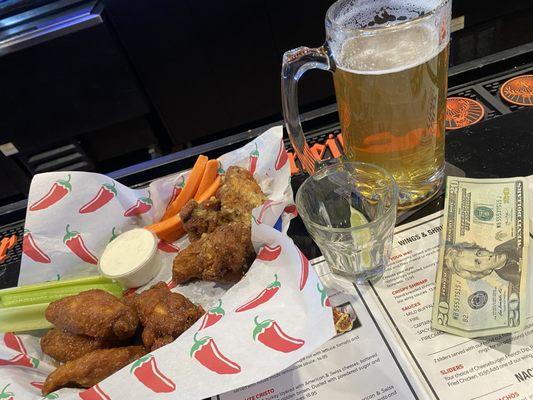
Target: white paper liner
{"points": [[227, 355]]}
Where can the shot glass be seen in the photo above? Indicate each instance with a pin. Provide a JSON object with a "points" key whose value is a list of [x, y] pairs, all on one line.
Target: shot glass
{"points": [[349, 209]]}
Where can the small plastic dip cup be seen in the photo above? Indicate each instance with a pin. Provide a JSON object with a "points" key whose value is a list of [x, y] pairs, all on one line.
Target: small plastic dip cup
{"points": [[131, 258]]}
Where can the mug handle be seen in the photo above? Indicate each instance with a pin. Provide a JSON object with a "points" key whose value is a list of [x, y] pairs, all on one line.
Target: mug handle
{"points": [[295, 63]]}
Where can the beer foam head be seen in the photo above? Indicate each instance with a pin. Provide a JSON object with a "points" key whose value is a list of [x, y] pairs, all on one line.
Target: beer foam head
{"points": [[379, 36], [357, 14]]}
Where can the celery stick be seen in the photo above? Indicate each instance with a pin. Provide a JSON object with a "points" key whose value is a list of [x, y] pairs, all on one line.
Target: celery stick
{"points": [[97, 279], [24, 318], [49, 295]]}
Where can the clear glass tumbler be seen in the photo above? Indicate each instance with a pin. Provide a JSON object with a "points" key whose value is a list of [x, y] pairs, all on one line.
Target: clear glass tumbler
{"points": [[349, 209]]}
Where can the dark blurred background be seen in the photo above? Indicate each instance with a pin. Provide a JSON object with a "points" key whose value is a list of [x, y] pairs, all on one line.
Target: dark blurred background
{"points": [[101, 85]]}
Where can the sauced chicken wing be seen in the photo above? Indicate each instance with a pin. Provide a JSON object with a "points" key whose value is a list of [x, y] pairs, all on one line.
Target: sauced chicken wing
{"points": [[65, 346], [91, 368], [221, 256], [94, 313], [165, 315]]}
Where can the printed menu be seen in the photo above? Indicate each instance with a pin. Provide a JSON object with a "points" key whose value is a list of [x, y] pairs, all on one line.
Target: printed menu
{"points": [[392, 352]]}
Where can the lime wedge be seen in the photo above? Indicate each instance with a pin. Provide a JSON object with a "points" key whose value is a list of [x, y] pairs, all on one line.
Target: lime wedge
{"points": [[361, 238], [357, 218]]}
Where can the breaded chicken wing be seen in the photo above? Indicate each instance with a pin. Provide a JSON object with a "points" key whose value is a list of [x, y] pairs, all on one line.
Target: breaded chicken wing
{"points": [[165, 315], [234, 202], [94, 313], [239, 195], [91, 368], [221, 256], [219, 229], [65, 346], [201, 218]]}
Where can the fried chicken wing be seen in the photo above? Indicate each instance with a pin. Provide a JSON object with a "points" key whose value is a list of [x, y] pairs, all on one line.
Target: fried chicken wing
{"points": [[65, 346], [165, 315], [239, 195], [201, 218], [221, 256], [94, 313], [91, 368], [220, 231], [234, 202]]}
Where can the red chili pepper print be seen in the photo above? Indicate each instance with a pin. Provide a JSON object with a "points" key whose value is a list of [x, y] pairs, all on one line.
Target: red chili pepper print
{"points": [[291, 209], [176, 190], [37, 385], [207, 353], [113, 235], [171, 284], [143, 205], [324, 299], [265, 295], [266, 206], [254, 156], [74, 242], [282, 158], [22, 360], [146, 371], [30, 248], [304, 273], [268, 253], [167, 247], [270, 334], [130, 291], [5, 394], [13, 342], [94, 393], [212, 316], [59, 189], [106, 193]]}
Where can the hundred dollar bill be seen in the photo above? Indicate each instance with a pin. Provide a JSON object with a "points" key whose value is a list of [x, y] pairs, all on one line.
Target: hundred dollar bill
{"points": [[480, 284]]}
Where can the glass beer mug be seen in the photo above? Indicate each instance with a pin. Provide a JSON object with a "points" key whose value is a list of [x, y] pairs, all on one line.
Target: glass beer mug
{"points": [[389, 60]]}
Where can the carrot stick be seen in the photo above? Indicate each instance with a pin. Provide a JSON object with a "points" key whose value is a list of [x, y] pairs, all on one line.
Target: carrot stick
{"points": [[210, 191], [190, 188], [170, 229], [210, 173]]}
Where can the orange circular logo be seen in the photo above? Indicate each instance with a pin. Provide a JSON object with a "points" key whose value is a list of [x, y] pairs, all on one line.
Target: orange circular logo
{"points": [[462, 111], [518, 90]]}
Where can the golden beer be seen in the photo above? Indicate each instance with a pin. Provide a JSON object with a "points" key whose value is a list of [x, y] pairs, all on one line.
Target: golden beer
{"points": [[391, 95]]}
